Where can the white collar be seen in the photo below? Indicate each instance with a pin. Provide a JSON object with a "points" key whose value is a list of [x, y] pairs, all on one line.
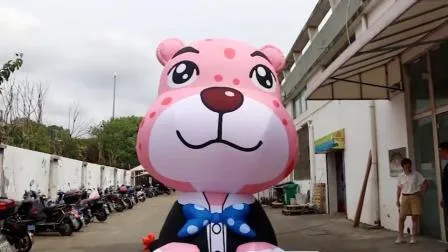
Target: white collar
{"points": [[198, 198]]}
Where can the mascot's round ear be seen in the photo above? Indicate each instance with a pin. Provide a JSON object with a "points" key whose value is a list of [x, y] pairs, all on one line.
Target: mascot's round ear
{"points": [[167, 49], [275, 56]]}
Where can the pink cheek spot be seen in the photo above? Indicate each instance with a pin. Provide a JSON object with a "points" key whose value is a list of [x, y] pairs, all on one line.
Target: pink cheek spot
{"points": [[236, 81], [285, 122], [229, 53], [152, 114], [218, 78], [167, 101], [276, 104]]}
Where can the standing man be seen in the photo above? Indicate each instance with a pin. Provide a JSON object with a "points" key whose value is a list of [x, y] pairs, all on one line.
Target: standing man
{"points": [[411, 186], [443, 152]]}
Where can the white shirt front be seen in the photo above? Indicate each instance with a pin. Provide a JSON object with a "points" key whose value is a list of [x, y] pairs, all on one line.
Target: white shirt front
{"points": [[410, 183]]}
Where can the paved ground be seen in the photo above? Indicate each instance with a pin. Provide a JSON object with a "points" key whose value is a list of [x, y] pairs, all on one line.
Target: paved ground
{"points": [[123, 232]]}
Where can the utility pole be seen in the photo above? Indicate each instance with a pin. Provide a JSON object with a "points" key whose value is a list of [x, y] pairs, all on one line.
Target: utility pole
{"points": [[113, 103]]}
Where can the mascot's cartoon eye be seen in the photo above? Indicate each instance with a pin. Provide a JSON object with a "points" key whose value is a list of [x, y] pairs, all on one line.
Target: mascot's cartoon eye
{"points": [[262, 76], [182, 74]]}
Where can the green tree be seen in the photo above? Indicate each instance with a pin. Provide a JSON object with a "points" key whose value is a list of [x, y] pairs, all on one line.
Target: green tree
{"points": [[10, 67], [28, 134], [109, 143], [115, 141], [90, 149], [61, 143]]}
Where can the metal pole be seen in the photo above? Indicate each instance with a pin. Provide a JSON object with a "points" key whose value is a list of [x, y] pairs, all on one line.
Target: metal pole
{"points": [[312, 157], [113, 104]]}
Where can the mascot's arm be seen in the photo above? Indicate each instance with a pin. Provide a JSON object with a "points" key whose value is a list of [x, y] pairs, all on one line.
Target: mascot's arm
{"points": [[259, 221], [173, 223]]}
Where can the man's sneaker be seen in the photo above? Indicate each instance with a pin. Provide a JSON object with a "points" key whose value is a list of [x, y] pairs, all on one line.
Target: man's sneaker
{"points": [[412, 240], [399, 240]]}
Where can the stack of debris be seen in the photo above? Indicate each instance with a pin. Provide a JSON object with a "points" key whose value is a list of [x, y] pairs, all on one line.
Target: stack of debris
{"points": [[317, 204], [319, 197], [299, 209]]}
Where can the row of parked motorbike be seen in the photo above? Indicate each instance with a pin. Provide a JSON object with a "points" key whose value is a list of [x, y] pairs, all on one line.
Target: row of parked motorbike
{"points": [[70, 212]]}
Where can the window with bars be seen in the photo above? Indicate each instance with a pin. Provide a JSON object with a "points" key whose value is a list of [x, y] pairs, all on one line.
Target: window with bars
{"points": [[302, 169]]}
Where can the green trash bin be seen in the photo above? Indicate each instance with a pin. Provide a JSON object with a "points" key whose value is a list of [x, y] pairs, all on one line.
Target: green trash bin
{"points": [[289, 192]]}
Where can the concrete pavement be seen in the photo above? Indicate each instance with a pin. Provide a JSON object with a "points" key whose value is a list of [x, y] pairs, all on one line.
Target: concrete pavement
{"points": [[123, 232]]}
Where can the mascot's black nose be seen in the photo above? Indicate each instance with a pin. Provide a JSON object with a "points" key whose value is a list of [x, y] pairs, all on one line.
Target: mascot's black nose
{"points": [[222, 99]]}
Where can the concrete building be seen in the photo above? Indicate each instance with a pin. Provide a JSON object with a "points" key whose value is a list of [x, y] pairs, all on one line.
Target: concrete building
{"points": [[139, 176], [371, 75]]}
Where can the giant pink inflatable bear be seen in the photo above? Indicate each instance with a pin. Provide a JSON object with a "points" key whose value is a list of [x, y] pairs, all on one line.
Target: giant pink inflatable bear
{"points": [[218, 133]]}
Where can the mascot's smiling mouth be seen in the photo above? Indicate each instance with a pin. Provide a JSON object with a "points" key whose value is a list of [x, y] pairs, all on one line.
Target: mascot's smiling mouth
{"points": [[218, 139]]}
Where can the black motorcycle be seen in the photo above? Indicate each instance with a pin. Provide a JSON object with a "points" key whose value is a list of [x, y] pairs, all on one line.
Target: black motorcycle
{"points": [[151, 191], [40, 218], [13, 228], [162, 189], [123, 191], [97, 206], [115, 200], [132, 194], [140, 193], [80, 212], [107, 204]]}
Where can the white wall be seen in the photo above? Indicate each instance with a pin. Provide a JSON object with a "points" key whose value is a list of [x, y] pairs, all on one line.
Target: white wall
{"points": [[120, 176], [128, 178], [108, 179], [21, 166], [391, 134], [93, 175], [68, 174]]}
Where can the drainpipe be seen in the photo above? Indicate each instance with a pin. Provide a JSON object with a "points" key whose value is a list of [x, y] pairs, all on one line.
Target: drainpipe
{"points": [[312, 157], [375, 175]]}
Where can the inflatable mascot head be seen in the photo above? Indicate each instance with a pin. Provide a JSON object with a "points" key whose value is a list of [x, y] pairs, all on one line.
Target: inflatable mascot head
{"points": [[218, 124]]}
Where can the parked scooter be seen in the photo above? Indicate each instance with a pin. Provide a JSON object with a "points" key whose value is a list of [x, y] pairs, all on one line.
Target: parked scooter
{"points": [[132, 194], [140, 194], [80, 212], [115, 200], [41, 219], [13, 228], [162, 189], [96, 204], [107, 204], [123, 190], [150, 191]]}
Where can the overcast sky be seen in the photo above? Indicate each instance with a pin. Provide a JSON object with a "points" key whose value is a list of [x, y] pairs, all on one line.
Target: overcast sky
{"points": [[74, 47]]}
